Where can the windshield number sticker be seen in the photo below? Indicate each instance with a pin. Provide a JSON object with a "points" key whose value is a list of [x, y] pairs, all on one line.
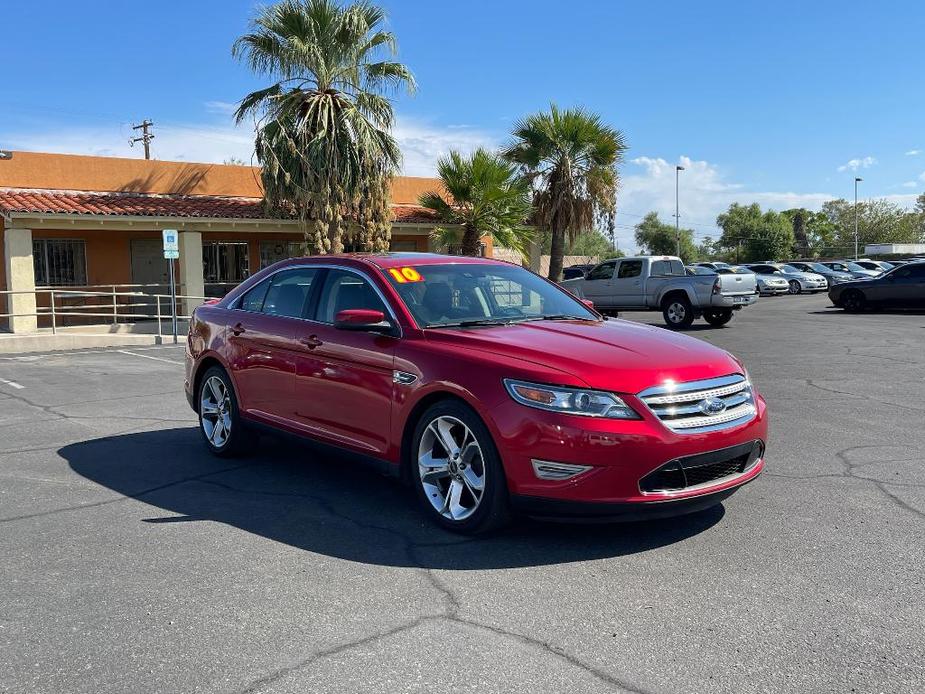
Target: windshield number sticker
{"points": [[405, 274]]}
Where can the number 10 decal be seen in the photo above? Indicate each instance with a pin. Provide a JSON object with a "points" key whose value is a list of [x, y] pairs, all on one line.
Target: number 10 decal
{"points": [[405, 274]]}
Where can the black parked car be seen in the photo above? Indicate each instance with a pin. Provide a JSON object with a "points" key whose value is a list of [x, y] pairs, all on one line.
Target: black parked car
{"points": [[902, 287], [575, 271]]}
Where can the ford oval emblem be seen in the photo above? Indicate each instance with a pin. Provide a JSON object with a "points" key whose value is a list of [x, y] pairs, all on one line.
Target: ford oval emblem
{"points": [[712, 406]]}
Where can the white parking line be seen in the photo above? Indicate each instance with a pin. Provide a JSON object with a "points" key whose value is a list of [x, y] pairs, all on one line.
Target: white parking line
{"points": [[148, 356], [12, 384]]}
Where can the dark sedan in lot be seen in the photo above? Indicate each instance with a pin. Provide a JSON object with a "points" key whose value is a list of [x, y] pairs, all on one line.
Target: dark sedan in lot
{"points": [[902, 287]]}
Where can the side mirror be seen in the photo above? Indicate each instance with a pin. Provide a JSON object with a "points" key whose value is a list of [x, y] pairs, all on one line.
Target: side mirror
{"points": [[588, 303], [363, 319]]}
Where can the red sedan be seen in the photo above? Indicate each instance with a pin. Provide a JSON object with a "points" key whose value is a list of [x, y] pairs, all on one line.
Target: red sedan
{"points": [[486, 387]]}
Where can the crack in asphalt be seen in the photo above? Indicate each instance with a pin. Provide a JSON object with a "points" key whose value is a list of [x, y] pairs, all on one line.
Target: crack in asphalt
{"points": [[850, 471], [450, 612], [136, 496], [811, 383]]}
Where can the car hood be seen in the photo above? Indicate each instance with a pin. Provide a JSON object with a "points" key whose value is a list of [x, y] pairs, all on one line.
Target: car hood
{"points": [[614, 355]]}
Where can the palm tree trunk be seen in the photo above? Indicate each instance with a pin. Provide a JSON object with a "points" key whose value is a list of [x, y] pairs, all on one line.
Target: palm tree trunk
{"points": [[470, 241], [557, 250]]}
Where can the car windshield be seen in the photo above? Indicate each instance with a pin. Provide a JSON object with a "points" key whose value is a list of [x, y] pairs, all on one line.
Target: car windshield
{"points": [[467, 294], [819, 267], [886, 266], [854, 267], [789, 269]]}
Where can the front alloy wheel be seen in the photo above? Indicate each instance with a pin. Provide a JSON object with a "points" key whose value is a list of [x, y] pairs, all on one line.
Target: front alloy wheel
{"points": [[458, 475], [795, 287], [853, 301], [219, 422]]}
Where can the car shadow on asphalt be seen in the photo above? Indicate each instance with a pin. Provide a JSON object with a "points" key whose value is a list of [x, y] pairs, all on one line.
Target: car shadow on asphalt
{"points": [[330, 504]]}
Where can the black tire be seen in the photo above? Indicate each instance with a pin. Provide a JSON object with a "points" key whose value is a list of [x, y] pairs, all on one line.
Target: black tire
{"points": [[239, 440], [492, 510], [853, 301], [677, 312], [718, 317], [795, 287]]}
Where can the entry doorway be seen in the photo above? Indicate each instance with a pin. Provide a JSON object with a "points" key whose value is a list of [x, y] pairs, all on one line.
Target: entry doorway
{"points": [[149, 267]]}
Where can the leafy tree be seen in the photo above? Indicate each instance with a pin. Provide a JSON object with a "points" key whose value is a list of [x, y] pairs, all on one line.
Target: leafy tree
{"points": [[813, 232], [485, 196], [323, 126], [655, 237], [754, 235], [879, 221], [570, 157], [593, 244]]}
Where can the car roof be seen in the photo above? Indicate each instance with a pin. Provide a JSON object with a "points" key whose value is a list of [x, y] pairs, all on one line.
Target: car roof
{"points": [[390, 260]]}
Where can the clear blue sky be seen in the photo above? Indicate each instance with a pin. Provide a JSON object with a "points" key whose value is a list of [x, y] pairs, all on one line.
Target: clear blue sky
{"points": [[774, 102]]}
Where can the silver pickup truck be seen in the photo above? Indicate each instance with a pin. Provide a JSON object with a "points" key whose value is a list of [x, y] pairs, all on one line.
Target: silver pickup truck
{"points": [[650, 283]]}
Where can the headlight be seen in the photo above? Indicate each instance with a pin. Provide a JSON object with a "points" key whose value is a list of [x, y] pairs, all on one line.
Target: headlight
{"points": [[577, 401]]}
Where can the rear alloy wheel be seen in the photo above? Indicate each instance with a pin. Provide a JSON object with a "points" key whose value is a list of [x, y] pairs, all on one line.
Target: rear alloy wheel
{"points": [[795, 287], [677, 312], [853, 301], [219, 421], [458, 473], [718, 317]]}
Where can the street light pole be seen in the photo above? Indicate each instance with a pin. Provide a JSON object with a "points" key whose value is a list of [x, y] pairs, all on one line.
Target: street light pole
{"points": [[677, 216], [857, 180]]}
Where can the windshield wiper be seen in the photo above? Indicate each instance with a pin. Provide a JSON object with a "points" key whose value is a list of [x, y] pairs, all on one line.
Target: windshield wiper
{"points": [[557, 316], [470, 323]]}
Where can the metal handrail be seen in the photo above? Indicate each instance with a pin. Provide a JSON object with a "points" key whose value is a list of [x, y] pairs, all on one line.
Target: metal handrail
{"points": [[55, 312]]}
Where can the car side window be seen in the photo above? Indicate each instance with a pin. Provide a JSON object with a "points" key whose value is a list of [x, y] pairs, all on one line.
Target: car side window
{"points": [[253, 297], [604, 271], [288, 293], [346, 290], [629, 268]]}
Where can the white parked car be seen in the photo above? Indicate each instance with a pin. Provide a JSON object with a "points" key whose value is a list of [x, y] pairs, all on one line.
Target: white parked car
{"points": [[769, 283], [801, 281]]}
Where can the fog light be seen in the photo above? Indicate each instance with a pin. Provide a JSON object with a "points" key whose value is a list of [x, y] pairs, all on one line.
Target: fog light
{"points": [[557, 472]]}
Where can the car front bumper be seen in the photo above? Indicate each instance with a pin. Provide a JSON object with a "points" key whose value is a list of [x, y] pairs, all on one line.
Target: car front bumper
{"points": [[619, 453]]}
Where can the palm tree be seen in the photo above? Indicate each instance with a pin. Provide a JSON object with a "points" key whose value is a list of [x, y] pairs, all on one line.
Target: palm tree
{"points": [[323, 126], [571, 159], [486, 197]]}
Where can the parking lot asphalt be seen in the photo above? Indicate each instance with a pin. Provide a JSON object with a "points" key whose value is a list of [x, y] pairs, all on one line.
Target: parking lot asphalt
{"points": [[133, 561]]}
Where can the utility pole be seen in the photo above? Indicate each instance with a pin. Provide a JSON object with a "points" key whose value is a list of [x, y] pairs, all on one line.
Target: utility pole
{"points": [[856, 181], [145, 137], [677, 214]]}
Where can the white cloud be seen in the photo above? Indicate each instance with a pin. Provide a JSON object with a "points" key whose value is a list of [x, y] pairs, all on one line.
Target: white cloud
{"points": [[922, 176], [705, 192], [423, 143], [910, 184], [913, 152], [855, 164], [214, 142], [223, 107]]}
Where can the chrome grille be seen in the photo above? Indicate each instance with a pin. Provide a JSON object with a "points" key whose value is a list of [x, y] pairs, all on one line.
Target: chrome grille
{"points": [[696, 406]]}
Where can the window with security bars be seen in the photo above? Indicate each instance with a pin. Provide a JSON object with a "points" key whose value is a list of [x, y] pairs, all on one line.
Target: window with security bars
{"points": [[225, 262], [59, 262], [274, 251]]}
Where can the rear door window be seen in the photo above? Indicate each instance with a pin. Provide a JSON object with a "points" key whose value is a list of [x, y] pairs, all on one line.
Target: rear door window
{"points": [[289, 292], [629, 268]]}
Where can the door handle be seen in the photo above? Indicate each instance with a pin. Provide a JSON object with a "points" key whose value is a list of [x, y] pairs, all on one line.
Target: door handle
{"points": [[238, 329], [311, 341]]}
